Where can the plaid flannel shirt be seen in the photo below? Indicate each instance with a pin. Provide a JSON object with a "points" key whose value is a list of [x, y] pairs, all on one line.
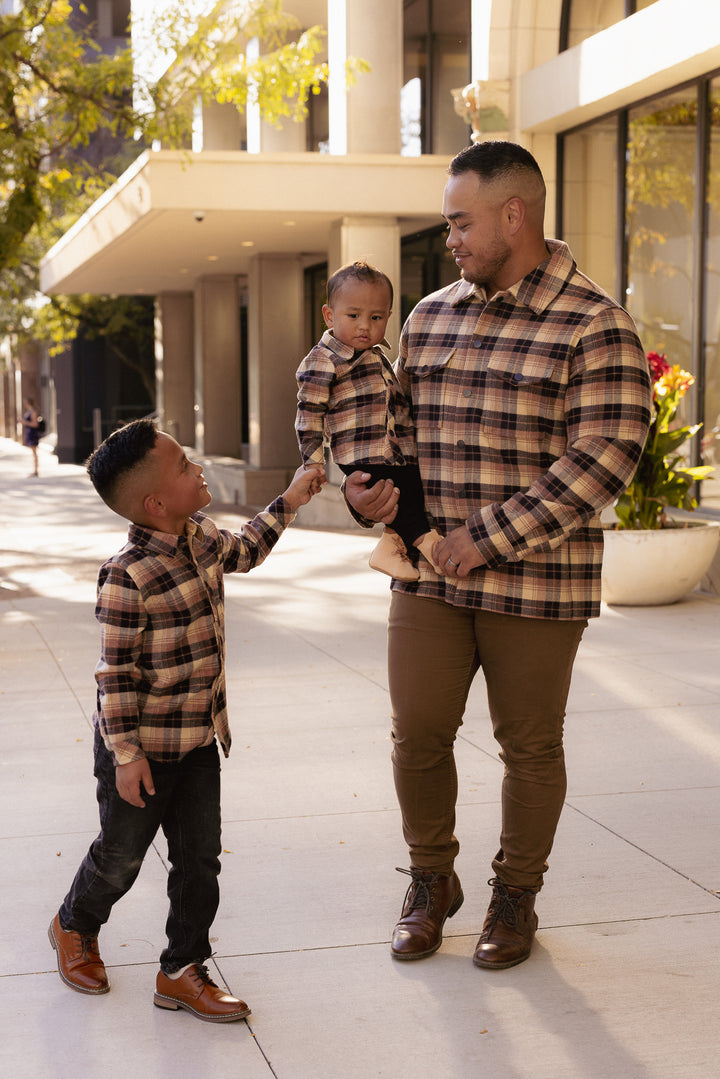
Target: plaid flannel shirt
{"points": [[160, 605], [356, 401], [531, 410]]}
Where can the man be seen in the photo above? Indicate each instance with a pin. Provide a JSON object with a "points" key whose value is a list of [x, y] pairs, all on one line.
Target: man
{"points": [[531, 398]]}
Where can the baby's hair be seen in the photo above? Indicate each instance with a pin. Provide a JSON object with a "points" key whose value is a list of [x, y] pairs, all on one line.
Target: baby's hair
{"points": [[360, 270], [116, 457]]}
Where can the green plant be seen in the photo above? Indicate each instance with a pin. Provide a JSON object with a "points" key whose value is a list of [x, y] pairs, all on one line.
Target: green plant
{"points": [[662, 478]]}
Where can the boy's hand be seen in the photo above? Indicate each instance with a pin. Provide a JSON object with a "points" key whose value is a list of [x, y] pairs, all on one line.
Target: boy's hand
{"points": [[305, 483], [131, 779], [377, 503]]}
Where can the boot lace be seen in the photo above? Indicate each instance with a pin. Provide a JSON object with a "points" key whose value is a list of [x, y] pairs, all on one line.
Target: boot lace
{"points": [[504, 906], [87, 947], [419, 895], [201, 972]]}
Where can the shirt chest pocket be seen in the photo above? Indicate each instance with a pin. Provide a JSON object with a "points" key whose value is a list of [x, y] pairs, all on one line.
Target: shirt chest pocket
{"points": [[523, 398], [432, 393]]}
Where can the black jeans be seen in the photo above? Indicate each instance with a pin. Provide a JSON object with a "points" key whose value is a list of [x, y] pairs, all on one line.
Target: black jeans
{"points": [[186, 805]]}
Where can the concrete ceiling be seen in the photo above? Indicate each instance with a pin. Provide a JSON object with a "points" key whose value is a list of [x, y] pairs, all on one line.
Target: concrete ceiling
{"points": [[174, 217]]}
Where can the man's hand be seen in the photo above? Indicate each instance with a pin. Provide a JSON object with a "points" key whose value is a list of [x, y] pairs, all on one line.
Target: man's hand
{"points": [[377, 503], [131, 779], [456, 555]]}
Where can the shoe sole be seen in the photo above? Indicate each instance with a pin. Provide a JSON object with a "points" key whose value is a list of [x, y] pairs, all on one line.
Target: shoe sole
{"points": [[161, 1001], [485, 965], [68, 983], [409, 956]]}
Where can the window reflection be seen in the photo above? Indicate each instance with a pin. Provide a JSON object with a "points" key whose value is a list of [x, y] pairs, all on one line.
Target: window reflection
{"points": [[590, 201], [436, 61], [710, 435]]}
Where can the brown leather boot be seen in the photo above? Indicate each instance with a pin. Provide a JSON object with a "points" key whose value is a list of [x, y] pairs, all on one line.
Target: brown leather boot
{"points": [[430, 899], [196, 992], [509, 928], [78, 958]]}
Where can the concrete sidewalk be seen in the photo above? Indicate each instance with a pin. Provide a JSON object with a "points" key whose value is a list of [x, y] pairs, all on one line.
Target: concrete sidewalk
{"points": [[624, 980]]}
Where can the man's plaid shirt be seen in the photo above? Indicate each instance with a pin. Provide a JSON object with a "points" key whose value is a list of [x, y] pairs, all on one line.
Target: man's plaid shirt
{"points": [[160, 605], [531, 411], [356, 401]]}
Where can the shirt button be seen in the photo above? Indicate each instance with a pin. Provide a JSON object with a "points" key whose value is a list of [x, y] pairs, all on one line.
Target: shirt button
{"points": [[477, 343], [461, 443], [467, 393]]}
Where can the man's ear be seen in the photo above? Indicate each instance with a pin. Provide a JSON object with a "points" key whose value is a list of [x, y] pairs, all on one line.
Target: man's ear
{"points": [[515, 214]]}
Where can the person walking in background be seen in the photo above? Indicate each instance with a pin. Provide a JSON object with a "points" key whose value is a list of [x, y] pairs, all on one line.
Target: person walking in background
{"points": [[161, 708], [31, 431], [348, 391], [531, 398]]}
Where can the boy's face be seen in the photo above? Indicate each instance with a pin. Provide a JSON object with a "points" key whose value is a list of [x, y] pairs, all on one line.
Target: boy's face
{"points": [[178, 484], [359, 313]]}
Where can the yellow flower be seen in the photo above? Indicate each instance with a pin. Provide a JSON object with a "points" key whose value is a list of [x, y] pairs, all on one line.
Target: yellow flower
{"points": [[675, 380]]}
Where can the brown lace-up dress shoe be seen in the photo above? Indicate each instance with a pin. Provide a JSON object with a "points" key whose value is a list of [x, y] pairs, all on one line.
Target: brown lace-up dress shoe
{"points": [[196, 992], [509, 928], [79, 962], [430, 899]]}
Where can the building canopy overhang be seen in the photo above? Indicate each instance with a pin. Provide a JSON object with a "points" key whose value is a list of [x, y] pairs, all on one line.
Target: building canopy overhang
{"points": [[174, 217]]}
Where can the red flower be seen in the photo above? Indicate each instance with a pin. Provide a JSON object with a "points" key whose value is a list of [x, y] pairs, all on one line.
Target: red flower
{"points": [[658, 365]]}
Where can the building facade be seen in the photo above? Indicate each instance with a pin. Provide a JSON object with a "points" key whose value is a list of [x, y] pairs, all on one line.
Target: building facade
{"points": [[619, 102]]}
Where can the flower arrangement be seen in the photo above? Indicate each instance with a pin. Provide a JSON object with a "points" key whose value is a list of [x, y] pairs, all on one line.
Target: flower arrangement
{"points": [[661, 479]]}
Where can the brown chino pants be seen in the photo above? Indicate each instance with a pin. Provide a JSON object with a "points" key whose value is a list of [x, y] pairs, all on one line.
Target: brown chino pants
{"points": [[434, 652]]}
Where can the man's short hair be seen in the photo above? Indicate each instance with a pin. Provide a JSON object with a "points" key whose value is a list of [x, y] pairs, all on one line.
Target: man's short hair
{"points": [[119, 455], [360, 270], [495, 160]]}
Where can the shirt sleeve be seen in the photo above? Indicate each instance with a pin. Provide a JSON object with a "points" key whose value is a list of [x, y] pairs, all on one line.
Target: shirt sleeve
{"points": [[315, 376], [607, 415], [121, 614], [242, 551]]}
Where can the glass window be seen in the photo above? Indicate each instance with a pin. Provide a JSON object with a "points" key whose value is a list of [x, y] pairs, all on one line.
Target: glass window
{"points": [[427, 265], [583, 18], [590, 201], [710, 434], [660, 210], [436, 61]]}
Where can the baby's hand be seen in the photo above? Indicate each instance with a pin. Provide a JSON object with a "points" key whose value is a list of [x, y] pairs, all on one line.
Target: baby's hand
{"points": [[305, 483]]}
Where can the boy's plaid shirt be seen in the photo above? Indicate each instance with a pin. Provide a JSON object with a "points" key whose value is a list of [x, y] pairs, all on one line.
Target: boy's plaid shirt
{"points": [[531, 411], [356, 402], [160, 605]]}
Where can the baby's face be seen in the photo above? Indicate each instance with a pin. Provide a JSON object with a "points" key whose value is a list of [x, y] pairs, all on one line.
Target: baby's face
{"points": [[359, 313]]}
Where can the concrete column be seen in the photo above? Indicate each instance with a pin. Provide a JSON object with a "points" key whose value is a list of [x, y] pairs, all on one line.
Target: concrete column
{"points": [[373, 106], [276, 345], [217, 366], [376, 239], [175, 365]]}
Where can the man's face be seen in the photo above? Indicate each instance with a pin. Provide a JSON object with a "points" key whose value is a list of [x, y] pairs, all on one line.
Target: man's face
{"points": [[476, 237]]}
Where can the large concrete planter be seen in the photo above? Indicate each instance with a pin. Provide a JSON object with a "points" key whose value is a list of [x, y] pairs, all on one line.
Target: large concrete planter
{"points": [[648, 568]]}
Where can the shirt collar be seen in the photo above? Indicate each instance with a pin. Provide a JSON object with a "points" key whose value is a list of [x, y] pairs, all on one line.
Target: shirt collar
{"points": [[536, 290], [166, 543], [347, 352]]}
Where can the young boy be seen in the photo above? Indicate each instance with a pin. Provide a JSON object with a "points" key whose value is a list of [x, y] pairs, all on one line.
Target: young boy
{"points": [[161, 708], [348, 391]]}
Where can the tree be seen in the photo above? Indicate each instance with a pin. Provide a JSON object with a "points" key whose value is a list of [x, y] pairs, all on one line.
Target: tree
{"points": [[59, 94]]}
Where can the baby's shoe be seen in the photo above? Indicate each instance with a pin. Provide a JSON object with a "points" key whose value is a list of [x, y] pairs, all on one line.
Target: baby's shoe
{"points": [[390, 556]]}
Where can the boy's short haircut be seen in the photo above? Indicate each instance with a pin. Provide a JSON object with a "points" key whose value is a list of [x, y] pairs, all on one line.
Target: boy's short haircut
{"points": [[360, 270], [115, 458]]}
